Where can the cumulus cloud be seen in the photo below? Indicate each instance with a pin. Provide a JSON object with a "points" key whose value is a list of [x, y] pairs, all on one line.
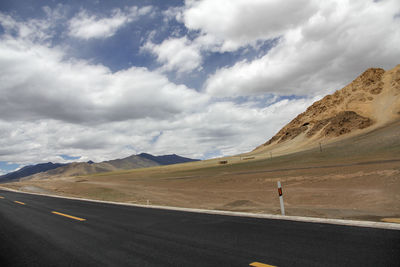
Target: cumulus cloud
{"points": [[225, 26], [223, 128], [228, 25], [34, 29], [227, 128], [321, 53], [86, 26], [176, 54], [52, 105], [38, 83]]}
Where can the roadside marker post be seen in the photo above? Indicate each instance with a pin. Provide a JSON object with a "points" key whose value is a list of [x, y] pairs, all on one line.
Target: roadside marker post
{"points": [[281, 198]]}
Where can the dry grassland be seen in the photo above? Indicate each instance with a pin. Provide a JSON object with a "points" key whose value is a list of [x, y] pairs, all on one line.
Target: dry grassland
{"points": [[358, 178]]}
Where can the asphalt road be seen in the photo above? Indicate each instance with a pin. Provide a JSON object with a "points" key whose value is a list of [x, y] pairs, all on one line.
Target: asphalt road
{"points": [[32, 234]]}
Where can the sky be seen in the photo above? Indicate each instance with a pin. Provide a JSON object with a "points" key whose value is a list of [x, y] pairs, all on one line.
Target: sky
{"points": [[99, 80]]}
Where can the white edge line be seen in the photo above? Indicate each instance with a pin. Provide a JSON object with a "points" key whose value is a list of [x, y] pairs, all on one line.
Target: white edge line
{"points": [[381, 225]]}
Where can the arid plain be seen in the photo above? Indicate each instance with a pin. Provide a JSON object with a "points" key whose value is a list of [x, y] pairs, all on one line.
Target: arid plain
{"points": [[358, 178]]}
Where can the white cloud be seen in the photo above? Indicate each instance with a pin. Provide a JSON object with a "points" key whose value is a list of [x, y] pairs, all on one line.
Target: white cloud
{"points": [[87, 26], [227, 25], [172, 13], [177, 54], [222, 127], [224, 26], [35, 30], [37, 83], [50, 105], [227, 128], [324, 52]]}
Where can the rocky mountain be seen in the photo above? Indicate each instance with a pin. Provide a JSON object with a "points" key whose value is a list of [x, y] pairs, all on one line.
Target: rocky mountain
{"points": [[81, 168], [370, 101], [166, 159], [30, 170]]}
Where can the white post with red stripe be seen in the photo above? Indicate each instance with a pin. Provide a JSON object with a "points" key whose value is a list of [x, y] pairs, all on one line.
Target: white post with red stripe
{"points": [[281, 198]]}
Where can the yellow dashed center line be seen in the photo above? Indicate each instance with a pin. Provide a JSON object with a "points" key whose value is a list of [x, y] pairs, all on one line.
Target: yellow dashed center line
{"points": [[259, 264], [19, 202], [68, 216]]}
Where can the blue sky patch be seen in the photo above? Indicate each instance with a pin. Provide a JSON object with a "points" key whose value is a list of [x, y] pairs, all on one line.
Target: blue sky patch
{"points": [[67, 157], [6, 167]]}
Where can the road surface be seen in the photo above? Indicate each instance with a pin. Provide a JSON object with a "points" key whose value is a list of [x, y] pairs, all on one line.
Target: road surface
{"points": [[46, 231]]}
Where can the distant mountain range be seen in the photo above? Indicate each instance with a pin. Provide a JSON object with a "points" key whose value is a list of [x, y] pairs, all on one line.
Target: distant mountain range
{"points": [[166, 159], [46, 170], [30, 170]]}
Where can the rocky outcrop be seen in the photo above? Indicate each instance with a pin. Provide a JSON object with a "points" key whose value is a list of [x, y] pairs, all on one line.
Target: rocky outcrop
{"points": [[349, 109]]}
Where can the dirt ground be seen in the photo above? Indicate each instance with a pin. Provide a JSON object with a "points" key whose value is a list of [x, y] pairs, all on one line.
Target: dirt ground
{"points": [[369, 191], [358, 178]]}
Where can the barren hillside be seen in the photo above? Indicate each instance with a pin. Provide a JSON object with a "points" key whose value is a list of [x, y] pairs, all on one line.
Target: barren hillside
{"points": [[132, 162], [372, 100]]}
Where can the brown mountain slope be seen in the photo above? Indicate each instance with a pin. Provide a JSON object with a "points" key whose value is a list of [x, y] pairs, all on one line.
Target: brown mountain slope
{"points": [[372, 100], [142, 160], [83, 168]]}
